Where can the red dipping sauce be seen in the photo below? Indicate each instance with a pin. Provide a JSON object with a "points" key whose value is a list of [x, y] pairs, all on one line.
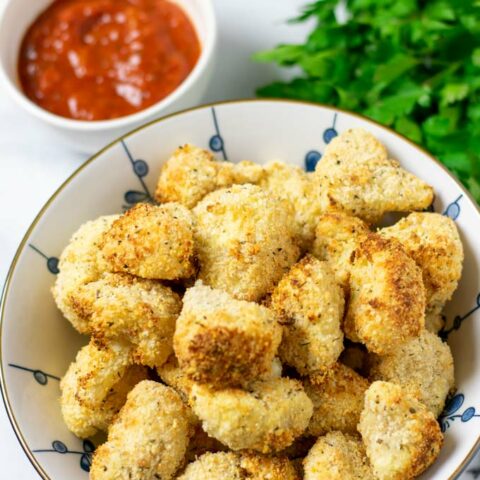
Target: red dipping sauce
{"points": [[104, 59]]}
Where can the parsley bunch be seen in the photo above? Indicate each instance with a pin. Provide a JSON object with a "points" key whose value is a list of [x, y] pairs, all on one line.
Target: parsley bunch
{"points": [[413, 65]]}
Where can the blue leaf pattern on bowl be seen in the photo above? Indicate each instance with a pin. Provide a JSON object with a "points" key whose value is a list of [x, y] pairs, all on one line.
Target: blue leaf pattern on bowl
{"points": [[450, 413], [216, 143], [85, 455]]}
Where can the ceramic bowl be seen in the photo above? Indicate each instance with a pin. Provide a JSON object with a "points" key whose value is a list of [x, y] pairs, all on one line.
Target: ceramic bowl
{"points": [[85, 136], [37, 344]]}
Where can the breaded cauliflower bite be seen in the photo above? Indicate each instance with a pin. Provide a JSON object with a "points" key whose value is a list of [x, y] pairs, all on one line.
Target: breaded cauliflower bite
{"points": [[337, 456], [142, 312], [357, 177], [336, 237], [245, 240], [232, 466], [91, 388], [337, 397], [149, 241], [309, 304], [267, 417], [84, 421], [387, 296], [401, 435], [432, 240], [78, 267], [297, 186], [148, 439], [191, 173], [222, 341], [423, 365]]}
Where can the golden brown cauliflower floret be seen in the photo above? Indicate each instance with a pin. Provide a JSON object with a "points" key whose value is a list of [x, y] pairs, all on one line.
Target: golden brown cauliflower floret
{"points": [[91, 390], [267, 417], [232, 466], [401, 435], [154, 242], [357, 177], [78, 267], [336, 237], [222, 341], [337, 456], [424, 365], [297, 186], [432, 240], [245, 240], [191, 173], [337, 397], [310, 306], [147, 440], [142, 312], [387, 296], [171, 374], [84, 421]]}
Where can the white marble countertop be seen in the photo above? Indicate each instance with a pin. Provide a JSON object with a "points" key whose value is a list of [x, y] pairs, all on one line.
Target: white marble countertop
{"points": [[33, 164]]}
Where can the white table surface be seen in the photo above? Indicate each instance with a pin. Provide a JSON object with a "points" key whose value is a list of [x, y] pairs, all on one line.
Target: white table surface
{"points": [[33, 164]]}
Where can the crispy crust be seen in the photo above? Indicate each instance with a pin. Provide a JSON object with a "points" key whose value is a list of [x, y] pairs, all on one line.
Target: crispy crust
{"points": [[337, 456], [310, 306], [392, 418], [298, 187], [357, 177], [432, 240], [267, 417], [84, 421], [232, 466], [336, 237], [387, 296], [423, 365], [154, 242], [147, 440], [245, 240], [337, 397], [222, 341], [191, 173], [142, 312], [78, 267]]}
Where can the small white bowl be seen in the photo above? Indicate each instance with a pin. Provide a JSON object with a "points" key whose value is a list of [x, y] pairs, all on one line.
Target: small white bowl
{"points": [[37, 343], [86, 136]]}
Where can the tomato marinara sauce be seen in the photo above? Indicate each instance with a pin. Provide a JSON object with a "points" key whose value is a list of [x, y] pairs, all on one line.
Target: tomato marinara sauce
{"points": [[104, 59]]}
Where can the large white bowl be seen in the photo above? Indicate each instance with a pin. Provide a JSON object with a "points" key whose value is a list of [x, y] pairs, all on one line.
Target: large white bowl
{"points": [[37, 344], [85, 136]]}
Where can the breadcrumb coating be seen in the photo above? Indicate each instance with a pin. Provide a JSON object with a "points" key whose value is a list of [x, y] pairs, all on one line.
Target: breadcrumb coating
{"points": [[337, 456], [147, 440], [310, 306], [84, 421], [96, 370], [357, 177], [267, 417], [401, 435], [191, 173], [222, 341], [245, 240], [149, 241], [423, 365], [387, 296], [232, 466], [337, 397], [142, 312], [336, 237], [78, 267], [295, 185], [433, 241]]}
